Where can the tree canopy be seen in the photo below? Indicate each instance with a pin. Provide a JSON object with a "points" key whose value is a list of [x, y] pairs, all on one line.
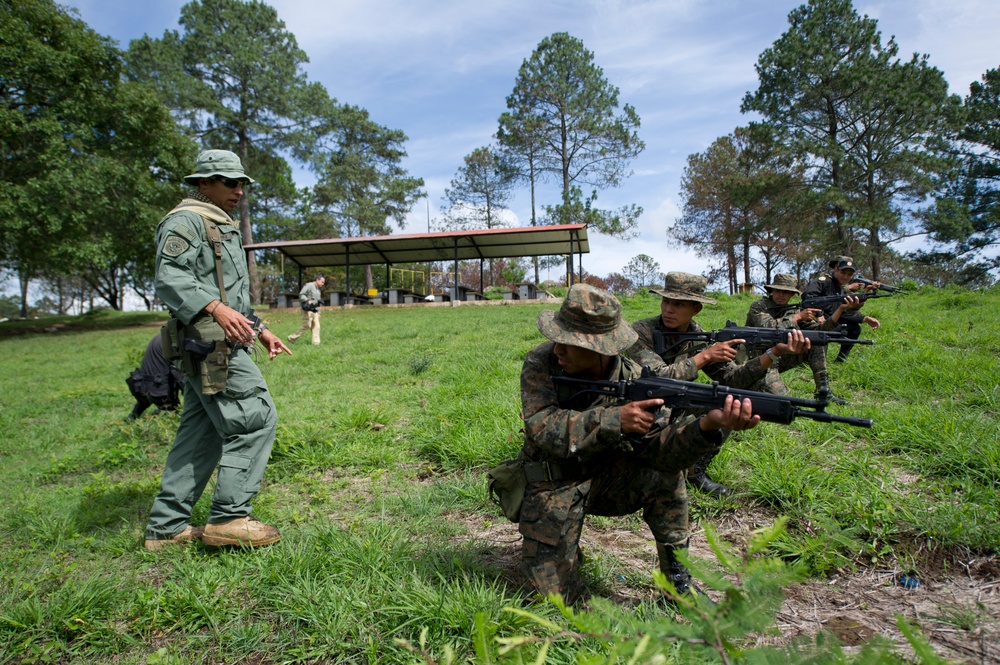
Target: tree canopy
{"points": [[234, 78], [870, 127], [967, 217], [480, 192], [563, 117], [89, 159]]}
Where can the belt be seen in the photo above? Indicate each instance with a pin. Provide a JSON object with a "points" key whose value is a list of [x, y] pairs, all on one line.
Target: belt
{"points": [[536, 472]]}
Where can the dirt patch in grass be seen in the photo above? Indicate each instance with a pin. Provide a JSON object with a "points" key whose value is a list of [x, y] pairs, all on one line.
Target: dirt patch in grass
{"points": [[955, 601]]}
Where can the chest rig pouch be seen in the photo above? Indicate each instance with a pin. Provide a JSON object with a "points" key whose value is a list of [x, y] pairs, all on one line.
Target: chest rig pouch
{"points": [[201, 347]]}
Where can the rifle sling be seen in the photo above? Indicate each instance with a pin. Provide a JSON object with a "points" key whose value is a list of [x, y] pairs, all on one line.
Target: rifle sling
{"points": [[215, 237]]}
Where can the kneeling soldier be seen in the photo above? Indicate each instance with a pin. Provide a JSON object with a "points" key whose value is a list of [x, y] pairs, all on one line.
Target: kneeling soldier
{"points": [[587, 455]]}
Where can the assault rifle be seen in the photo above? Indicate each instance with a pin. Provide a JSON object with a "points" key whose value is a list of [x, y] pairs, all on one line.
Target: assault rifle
{"points": [[822, 302], [756, 336], [678, 394], [858, 279]]}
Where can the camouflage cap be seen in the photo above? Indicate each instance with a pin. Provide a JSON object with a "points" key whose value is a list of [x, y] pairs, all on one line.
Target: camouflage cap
{"points": [[684, 286], [784, 282], [213, 163], [842, 262], [590, 318]]}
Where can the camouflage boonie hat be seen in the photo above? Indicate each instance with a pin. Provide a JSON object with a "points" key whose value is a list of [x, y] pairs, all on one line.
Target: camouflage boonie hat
{"points": [[784, 282], [684, 286], [590, 318], [213, 163], [842, 262]]}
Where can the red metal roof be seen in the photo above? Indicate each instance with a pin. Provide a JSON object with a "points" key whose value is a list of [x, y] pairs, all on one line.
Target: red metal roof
{"points": [[425, 247]]}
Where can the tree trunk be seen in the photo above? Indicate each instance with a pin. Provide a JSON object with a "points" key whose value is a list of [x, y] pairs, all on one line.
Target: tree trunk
{"points": [[23, 278], [531, 181], [247, 231]]}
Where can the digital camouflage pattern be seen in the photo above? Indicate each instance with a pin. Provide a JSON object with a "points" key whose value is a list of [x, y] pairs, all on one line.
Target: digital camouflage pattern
{"points": [[815, 357], [589, 317], [684, 286], [619, 477], [677, 362], [784, 282]]}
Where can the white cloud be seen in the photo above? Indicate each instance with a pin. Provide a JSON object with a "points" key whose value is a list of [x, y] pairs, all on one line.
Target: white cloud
{"points": [[441, 70]]}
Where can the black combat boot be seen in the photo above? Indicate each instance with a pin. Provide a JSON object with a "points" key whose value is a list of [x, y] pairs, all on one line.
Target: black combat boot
{"points": [[676, 572], [698, 477], [823, 393], [845, 350]]}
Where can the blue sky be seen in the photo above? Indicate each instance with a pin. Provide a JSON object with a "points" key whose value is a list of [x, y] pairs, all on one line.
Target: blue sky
{"points": [[441, 70]]}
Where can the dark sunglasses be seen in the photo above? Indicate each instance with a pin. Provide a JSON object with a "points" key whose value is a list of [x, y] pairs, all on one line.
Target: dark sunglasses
{"points": [[231, 183]]}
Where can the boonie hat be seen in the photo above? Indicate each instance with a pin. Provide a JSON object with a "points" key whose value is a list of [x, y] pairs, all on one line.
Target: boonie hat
{"points": [[784, 282], [684, 286], [591, 318], [213, 163], [842, 262]]}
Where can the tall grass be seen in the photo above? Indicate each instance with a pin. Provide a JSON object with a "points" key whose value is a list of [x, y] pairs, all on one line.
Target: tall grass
{"points": [[384, 433]]}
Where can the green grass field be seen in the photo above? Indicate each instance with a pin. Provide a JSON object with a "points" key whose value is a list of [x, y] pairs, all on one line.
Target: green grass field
{"points": [[377, 483]]}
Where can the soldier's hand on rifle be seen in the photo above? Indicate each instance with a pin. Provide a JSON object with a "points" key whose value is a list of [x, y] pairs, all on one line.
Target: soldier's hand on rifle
{"points": [[851, 303], [720, 352], [735, 415], [237, 328], [796, 344], [855, 286], [807, 315], [638, 416]]}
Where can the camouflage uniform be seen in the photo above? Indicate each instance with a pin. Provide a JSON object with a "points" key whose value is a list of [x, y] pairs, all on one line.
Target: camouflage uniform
{"points": [[577, 460], [606, 473], [677, 362], [762, 315]]}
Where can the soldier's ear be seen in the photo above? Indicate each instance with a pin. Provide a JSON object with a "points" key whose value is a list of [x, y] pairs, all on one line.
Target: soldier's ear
{"points": [[698, 307]]}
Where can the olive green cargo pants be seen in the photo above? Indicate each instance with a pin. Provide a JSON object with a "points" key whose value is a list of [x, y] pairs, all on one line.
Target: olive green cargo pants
{"points": [[232, 430]]}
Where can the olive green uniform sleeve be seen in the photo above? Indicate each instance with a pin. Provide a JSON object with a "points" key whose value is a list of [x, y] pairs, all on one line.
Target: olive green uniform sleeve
{"points": [[186, 278]]}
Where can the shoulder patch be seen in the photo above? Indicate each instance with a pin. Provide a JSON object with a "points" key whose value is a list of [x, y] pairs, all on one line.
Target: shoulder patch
{"points": [[822, 279], [175, 246]]}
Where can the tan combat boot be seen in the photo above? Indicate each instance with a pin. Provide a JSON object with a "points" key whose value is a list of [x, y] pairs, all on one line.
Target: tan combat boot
{"points": [[245, 531], [186, 536]]}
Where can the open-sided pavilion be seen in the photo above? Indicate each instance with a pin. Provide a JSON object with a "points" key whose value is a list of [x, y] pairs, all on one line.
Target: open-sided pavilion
{"points": [[565, 239]]}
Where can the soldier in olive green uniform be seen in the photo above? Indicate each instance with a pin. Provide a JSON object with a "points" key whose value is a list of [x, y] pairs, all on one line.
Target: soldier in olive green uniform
{"points": [[683, 296], [229, 417], [770, 312], [310, 298], [596, 456]]}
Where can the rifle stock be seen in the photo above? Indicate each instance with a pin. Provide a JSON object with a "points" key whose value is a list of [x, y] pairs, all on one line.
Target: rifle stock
{"points": [[678, 394]]}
